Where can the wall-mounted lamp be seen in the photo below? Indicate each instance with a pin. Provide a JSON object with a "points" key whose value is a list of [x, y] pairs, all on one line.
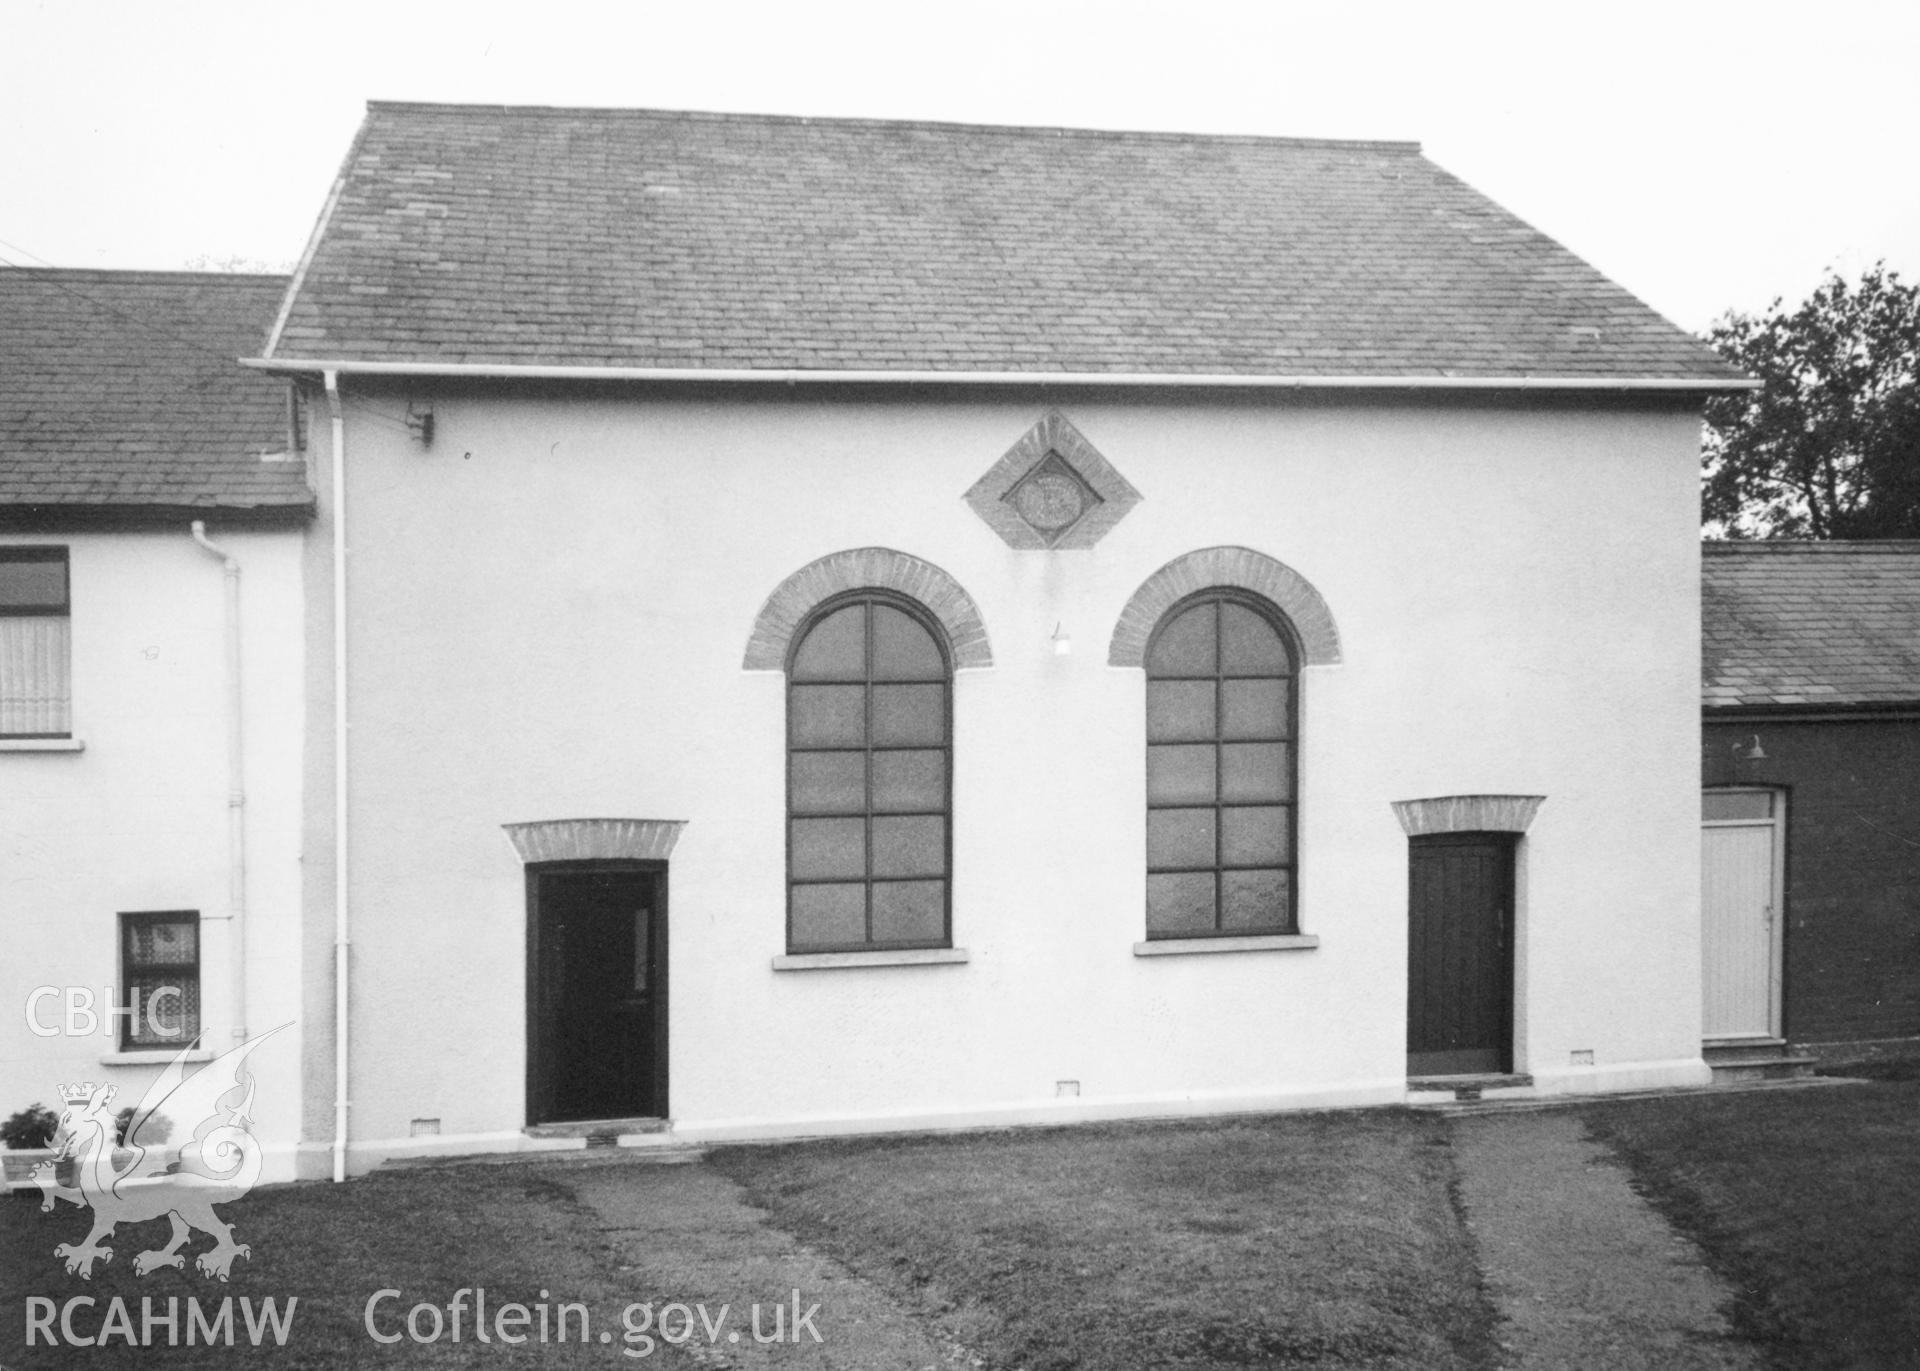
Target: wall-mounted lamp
{"points": [[1749, 750], [421, 422], [1062, 642]]}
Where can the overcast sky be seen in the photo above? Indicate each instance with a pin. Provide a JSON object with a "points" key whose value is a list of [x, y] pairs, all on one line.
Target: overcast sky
{"points": [[1704, 155]]}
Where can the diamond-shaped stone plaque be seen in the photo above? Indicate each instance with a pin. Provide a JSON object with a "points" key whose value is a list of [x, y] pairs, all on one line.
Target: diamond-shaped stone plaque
{"points": [[1052, 491]]}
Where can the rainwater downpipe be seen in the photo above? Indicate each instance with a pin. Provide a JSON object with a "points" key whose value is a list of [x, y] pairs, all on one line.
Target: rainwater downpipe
{"points": [[236, 789], [340, 868]]}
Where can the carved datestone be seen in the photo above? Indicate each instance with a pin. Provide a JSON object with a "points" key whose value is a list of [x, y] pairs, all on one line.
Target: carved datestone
{"points": [[1052, 491]]}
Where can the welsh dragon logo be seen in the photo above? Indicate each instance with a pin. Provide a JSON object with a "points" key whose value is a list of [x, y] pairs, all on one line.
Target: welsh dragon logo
{"points": [[146, 1179]]}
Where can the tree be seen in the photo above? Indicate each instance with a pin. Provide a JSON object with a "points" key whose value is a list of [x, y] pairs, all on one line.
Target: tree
{"points": [[1829, 447]]}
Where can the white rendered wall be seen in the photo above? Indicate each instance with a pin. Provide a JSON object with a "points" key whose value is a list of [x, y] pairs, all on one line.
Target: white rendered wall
{"points": [[138, 820], [549, 610]]}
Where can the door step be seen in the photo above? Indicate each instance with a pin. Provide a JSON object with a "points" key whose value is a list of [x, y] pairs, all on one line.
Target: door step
{"points": [[1479, 1086], [600, 1132], [671, 1154], [1739, 1063]]}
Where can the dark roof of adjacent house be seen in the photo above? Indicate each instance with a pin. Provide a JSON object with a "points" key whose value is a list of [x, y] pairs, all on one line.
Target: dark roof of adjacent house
{"points": [[645, 239], [1827, 625], [123, 390]]}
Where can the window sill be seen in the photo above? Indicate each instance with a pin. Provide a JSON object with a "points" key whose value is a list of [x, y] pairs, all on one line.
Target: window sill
{"points": [[1270, 942], [153, 1056], [42, 745], [835, 961]]}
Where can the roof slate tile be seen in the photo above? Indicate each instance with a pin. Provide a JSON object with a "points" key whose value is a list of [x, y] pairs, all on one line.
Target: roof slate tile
{"points": [[643, 238], [123, 388], [1829, 624]]}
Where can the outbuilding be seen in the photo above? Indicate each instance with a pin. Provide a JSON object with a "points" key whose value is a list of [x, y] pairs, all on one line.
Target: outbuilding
{"points": [[1811, 810]]}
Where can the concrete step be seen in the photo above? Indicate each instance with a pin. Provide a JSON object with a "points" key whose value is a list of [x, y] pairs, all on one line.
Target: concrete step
{"points": [[668, 1154], [599, 1128], [1738, 1063], [1483, 1085]]}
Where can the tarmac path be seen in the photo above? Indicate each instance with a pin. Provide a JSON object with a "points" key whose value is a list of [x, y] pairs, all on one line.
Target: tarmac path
{"points": [[1588, 1276], [1585, 1274], [687, 1234]]}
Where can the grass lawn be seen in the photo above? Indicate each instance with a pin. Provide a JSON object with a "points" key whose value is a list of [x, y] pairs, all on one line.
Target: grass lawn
{"points": [[1327, 1239], [1807, 1201], [1285, 1241], [1296, 1240], [514, 1230]]}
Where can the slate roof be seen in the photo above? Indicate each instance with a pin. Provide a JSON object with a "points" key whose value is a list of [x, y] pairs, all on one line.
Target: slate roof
{"points": [[123, 389], [1831, 625], [656, 239]]}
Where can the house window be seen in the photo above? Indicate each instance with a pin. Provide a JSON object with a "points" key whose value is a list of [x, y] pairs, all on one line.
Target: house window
{"points": [[869, 754], [1221, 769], [35, 677], [160, 979]]}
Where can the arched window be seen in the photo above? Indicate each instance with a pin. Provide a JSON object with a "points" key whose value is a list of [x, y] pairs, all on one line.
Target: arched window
{"points": [[869, 777], [1221, 768]]}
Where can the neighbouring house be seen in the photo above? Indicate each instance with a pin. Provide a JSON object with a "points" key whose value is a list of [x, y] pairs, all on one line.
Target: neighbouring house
{"points": [[855, 625], [1811, 810], [151, 719]]}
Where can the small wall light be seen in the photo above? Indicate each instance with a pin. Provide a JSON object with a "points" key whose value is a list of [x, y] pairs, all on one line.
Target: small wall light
{"points": [[421, 422], [1749, 750], [1062, 642]]}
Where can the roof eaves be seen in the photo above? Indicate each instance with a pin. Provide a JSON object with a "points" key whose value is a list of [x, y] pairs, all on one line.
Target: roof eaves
{"points": [[1214, 380], [1755, 711], [124, 515]]}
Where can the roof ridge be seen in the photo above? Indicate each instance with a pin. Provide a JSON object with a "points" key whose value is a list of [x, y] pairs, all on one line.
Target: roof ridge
{"points": [[1780, 546], [143, 273], [935, 125]]}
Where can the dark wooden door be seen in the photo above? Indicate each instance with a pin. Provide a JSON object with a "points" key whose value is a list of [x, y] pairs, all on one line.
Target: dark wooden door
{"points": [[1460, 954], [597, 1016]]}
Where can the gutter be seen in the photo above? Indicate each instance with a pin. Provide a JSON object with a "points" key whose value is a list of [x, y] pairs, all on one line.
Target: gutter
{"points": [[1129, 379], [341, 944], [76, 517], [236, 788], [1742, 715]]}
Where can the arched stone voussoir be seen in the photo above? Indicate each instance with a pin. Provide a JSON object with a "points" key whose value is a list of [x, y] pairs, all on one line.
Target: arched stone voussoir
{"points": [[1467, 814], [585, 840], [1240, 567], [866, 568]]}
